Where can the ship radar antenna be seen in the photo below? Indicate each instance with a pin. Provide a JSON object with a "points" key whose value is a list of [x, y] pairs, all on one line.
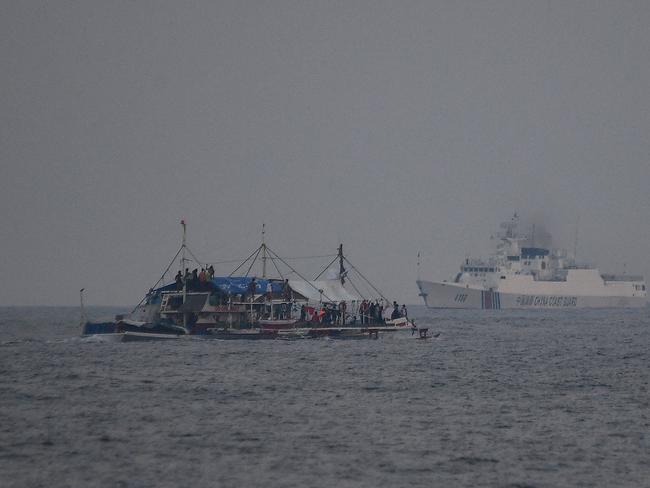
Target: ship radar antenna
{"points": [[575, 240]]}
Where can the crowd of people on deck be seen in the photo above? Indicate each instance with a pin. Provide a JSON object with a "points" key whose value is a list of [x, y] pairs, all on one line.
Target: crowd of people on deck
{"points": [[369, 312], [196, 280]]}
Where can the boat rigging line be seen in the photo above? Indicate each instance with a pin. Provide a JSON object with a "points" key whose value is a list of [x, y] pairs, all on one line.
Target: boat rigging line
{"points": [[253, 261], [268, 253], [161, 277], [276, 267], [327, 267], [271, 251], [364, 278]]}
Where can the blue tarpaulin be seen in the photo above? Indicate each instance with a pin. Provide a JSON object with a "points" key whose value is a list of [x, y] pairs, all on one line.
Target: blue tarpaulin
{"points": [[235, 285], [240, 284]]}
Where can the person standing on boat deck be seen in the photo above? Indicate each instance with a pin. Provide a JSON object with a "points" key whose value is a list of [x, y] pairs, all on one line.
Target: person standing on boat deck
{"points": [[269, 290], [195, 279], [286, 290], [269, 295], [303, 313], [252, 288], [395, 314], [342, 307], [405, 312], [179, 280], [211, 272]]}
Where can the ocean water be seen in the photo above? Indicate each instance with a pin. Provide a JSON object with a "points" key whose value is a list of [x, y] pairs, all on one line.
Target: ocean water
{"points": [[512, 399]]}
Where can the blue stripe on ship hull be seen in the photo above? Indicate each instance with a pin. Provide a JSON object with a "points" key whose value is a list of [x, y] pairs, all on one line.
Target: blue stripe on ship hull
{"points": [[490, 300]]}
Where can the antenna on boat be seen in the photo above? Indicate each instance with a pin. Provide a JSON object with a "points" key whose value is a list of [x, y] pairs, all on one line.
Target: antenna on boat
{"points": [[83, 317], [418, 266]]}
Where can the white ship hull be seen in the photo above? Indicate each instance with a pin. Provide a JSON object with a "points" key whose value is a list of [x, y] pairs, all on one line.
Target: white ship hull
{"points": [[453, 295]]}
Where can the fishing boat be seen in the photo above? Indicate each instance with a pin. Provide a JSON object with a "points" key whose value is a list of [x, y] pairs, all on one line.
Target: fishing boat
{"points": [[244, 306]]}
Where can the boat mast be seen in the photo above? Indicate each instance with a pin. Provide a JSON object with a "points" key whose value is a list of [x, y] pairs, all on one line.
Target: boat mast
{"points": [[183, 261], [341, 267], [263, 250]]}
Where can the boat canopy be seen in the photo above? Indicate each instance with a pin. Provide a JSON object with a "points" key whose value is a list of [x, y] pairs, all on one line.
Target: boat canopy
{"points": [[321, 290], [234, 285], [325, 290]]}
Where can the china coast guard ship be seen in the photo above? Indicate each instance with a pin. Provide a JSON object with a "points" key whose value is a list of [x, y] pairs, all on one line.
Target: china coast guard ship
{"points": [[516, 276]]}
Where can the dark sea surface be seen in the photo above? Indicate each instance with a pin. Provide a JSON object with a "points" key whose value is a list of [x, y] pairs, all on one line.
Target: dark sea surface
{"points": [[513, 399]]}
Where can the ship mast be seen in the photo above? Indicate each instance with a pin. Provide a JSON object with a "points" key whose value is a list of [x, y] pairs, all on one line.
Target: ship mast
{"points": [[575, 242]]}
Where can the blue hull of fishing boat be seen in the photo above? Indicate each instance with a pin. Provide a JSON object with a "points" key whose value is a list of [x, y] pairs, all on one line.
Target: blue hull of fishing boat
{"points": [[92, 328]]}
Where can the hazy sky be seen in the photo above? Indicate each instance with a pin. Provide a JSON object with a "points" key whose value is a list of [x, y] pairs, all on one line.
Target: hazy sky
{"points": [[394, 127]]}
